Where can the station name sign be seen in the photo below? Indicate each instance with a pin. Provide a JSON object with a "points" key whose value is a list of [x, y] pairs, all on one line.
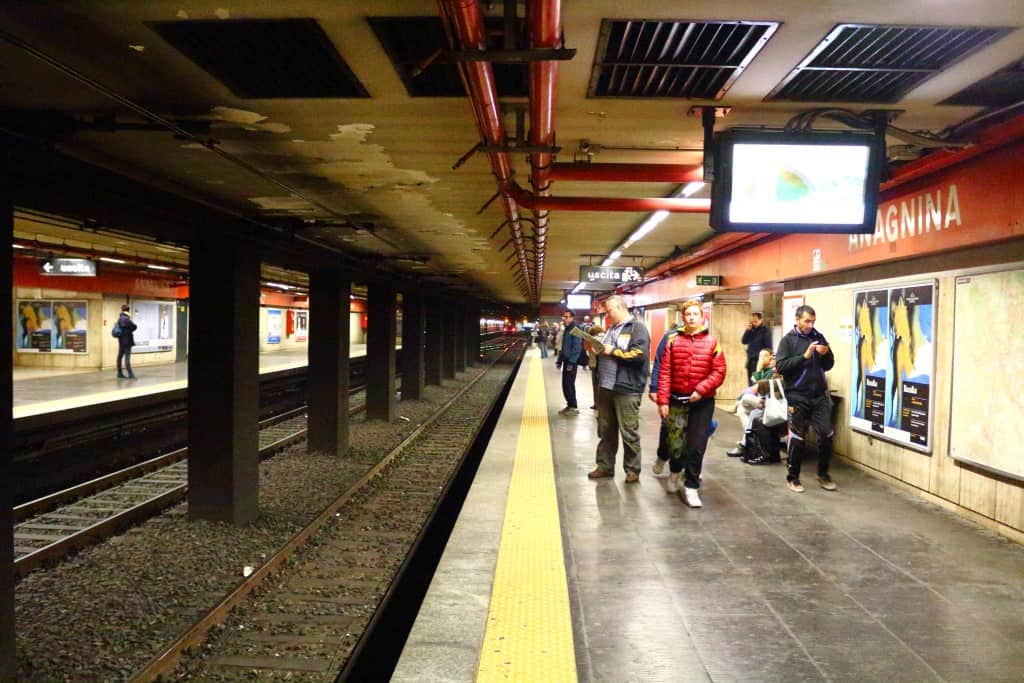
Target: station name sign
{"points": [[609, 277], [68, 267]]}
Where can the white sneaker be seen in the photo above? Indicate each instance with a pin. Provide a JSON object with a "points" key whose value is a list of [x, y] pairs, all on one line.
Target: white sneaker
{"points": [[658, 467], [673, 482], [692, 498]]}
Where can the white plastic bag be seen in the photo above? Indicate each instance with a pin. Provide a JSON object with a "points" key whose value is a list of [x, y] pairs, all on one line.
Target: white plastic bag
{"points": [[776, 408]]}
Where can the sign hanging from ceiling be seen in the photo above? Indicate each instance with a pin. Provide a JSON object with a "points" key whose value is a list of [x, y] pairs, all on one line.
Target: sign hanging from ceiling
{"points": [[68, 267], [609, 277]]}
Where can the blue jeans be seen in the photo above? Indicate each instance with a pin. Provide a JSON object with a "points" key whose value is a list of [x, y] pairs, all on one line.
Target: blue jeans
{"points": [[125, 352], [543, 349]]}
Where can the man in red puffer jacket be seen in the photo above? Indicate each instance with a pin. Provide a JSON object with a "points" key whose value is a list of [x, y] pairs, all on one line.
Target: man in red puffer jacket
{"points": [[692, 368]]}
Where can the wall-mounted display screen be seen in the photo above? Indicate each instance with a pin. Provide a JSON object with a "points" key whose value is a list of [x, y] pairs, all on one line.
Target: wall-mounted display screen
{"points": [[578, 302], [809, 182]]}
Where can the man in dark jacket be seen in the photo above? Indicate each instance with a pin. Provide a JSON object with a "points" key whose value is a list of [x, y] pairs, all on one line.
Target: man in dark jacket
{"points": [[568, 359], [756, 337], [621, 377], [125, 342], [802, 359]]}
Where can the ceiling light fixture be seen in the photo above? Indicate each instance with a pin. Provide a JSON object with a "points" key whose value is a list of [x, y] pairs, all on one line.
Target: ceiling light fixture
{"points": [[112, 260], [150, 265]]}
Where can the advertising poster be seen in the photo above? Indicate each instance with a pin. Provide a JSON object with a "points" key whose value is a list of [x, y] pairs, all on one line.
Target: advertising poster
{"points": [[273, 325], [894, 357], [910, 361], [301, 325], [155, 321], [870, 359], [52, 326]]}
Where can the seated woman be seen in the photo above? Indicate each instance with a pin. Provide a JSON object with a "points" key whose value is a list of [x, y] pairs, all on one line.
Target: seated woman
{"points": [[751, 398]]}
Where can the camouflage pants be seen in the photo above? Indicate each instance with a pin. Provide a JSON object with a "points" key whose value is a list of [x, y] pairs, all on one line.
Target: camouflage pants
{"points": [[686, 430]]}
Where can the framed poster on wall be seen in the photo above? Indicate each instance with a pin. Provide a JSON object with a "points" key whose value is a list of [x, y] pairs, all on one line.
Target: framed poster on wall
{"points": [[301, 325], [52, 326], [273, 325], [893, 363], [155, 326]]}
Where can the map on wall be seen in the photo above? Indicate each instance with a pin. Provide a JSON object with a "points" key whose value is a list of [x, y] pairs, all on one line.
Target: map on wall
{"points": [[893, 363], [986, 427]]}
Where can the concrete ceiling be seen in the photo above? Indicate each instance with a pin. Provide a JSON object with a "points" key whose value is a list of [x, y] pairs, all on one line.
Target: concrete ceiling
{"points": [[374, 174]]}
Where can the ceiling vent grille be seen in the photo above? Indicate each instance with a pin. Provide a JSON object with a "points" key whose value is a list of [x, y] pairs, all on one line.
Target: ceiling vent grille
{"points": [[265, 58], [866, 63], [691, 60], [416, 47], [1004, 88]]}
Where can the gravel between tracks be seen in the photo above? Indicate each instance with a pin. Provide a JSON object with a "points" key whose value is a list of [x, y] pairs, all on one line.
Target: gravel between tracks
{"points": [[99, 616]]}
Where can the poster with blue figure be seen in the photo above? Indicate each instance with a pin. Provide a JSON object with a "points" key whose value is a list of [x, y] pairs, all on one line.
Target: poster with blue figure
{"points": [[870, 365], [273, 325], [911, 359]]}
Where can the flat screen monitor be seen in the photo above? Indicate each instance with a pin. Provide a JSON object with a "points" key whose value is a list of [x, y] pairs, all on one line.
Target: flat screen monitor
{"points": [[805, 182], [577, 302]]}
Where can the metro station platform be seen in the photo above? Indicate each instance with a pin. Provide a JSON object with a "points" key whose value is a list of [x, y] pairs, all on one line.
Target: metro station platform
{"points": [[551, 576], [38, 391]]}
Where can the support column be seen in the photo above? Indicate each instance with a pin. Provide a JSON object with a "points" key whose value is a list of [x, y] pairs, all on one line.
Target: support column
{"points": [[329, 308], [413, 377], [7, 640], [471, 323], [380, 353], [223, 382], [448, 340], [459, 337], [433, 346]]}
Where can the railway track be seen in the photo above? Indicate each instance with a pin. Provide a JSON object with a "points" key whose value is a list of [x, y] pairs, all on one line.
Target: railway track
{"points": [[51, 527], [318, 606]]}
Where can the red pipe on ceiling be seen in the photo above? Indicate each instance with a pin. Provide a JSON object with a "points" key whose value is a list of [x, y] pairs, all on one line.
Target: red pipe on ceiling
{"points": [[627, 173], [644, 204], [544, 27], [466, 20], [718, 245]]}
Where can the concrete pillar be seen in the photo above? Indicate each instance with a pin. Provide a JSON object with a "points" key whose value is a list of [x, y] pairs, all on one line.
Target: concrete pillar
{"points": [[329, 308], [448, 339], [380, 353], [223, 382], [7, 661], [413, 329], [459, 337], [433, 346], [471, 323]]}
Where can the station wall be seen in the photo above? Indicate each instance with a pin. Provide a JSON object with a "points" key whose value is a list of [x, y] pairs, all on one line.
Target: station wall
{"points": [[987, 497]]}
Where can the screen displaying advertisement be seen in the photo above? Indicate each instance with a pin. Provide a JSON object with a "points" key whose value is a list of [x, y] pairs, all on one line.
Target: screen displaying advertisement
{"points": [[274, 325], [52, 326], [798, 183], [155, 326], [893, 364], [302, 325], [779, 182], [577, 302]]}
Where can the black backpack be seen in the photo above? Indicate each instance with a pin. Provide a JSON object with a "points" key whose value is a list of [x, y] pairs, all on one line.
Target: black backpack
{"points": [[116, 331]]}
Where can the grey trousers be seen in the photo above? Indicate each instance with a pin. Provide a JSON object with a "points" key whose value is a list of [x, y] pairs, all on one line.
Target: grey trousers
{"points": [[618, 414]]}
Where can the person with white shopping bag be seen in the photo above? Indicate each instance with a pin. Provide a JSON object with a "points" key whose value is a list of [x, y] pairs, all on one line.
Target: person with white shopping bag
{"points": [[802, 359]]}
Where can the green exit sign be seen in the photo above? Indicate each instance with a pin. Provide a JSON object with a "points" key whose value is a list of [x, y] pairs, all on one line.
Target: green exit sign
{"points": [[709, 280]]}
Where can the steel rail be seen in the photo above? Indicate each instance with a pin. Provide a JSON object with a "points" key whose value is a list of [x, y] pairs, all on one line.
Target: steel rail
{"points": [[165, 661]]}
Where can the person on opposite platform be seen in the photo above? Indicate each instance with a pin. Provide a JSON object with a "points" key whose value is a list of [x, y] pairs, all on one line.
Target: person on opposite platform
{"points": [[802, 359], [692, 368], [568, 360], [125, 342], [622, 377], [756, 337]]}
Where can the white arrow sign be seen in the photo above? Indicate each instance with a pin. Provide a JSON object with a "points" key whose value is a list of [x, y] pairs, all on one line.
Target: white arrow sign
{"points": [[48, 267]]}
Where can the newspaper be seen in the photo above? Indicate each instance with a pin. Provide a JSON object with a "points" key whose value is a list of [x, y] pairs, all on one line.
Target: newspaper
{"points": [[595, 342]]}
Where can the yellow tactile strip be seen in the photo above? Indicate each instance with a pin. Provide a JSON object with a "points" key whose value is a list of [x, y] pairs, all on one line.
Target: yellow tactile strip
{"points": [[529, 628]]}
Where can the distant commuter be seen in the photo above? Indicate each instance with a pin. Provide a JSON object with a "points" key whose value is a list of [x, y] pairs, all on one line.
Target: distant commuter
{"points": [[802, 359], [125, 342], [756, 337], [568, 359], [542, 340], [622, 377], [691, 370]]}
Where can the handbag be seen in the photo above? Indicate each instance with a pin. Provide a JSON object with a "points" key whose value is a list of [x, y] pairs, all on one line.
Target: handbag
{"points": [[776, 407]]}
